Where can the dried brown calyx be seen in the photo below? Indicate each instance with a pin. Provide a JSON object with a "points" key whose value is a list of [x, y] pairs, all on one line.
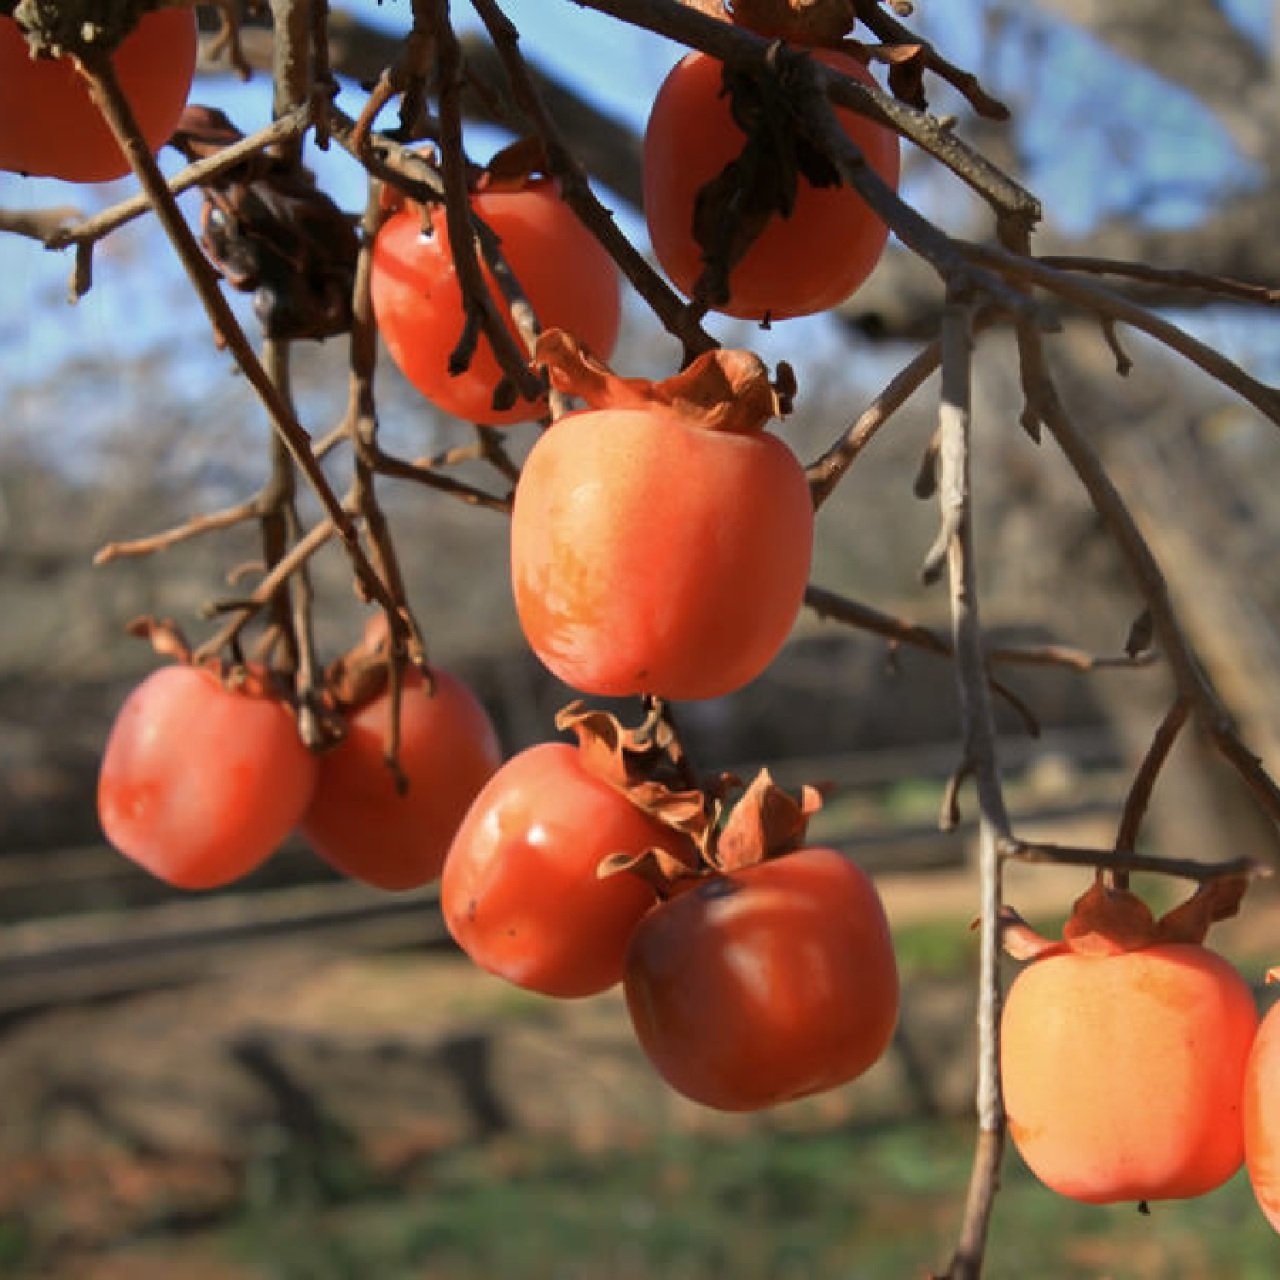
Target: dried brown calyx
{"points": [[648, 766], [722, 390], [1110, 921]]}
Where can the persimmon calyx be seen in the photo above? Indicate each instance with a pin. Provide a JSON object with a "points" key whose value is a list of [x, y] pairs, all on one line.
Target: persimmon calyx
{"points": [[643, 766], [513, 167], [722, 390], [766, 821], [1109, 921]]}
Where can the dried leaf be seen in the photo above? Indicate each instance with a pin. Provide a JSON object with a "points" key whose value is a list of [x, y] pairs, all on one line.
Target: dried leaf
{"points": [[1190, 921], [666, 874], [511, 168], [644, 768], [722, 390], [760, 183], [1021, 941], [164, 636], [272, 232], [1105, 921], [765, 822]]}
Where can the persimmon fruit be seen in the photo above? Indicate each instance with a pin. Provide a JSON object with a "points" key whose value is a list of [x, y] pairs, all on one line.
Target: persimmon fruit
{"points": [[1262, 1116], [202, 778], [569, 280], [49, 126], [520, 891], [655, 550], [1123, 1070], [362, 823], [767, 983], [802, 263]]}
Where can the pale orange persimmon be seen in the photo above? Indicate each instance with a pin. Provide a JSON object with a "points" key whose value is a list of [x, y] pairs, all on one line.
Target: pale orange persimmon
{"points": [[1262, 1116], [1123, 1070]]}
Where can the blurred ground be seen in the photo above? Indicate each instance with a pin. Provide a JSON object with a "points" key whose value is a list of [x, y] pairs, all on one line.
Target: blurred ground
{"points": [[146, 1136]]}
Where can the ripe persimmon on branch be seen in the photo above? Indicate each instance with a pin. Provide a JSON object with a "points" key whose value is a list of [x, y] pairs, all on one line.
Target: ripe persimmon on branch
{"points": [[525, 266]]}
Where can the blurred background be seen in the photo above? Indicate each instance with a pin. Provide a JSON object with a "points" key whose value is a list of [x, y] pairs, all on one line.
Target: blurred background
{"points": [[298, 1077]]}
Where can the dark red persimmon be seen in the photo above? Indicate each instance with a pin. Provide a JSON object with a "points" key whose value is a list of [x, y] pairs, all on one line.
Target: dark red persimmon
{"points": [[657, 551], [520, 889], [1123, 1071], [362, 824], [570, 281], [801, 264], [200, 782], [1262, 1116], [49, 126], [765, 984]]}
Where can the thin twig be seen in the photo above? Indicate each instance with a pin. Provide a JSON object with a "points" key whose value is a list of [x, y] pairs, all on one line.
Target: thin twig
{"points": [[1102, 301], [1126, 861], [482, 315], [891, 31], [213, 522], [826, 472], [668, 306], [105, 89], [1166, 277], [978, 723], [1144, 781]]}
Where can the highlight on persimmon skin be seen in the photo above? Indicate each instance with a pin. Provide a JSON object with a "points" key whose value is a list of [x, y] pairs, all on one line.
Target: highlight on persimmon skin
{"points": [[568, 278], [765, 984], [799, 265], [1123, 1072], [201, 781], [49, 125], [1262, 1115], [361, 823], [520, 891]]}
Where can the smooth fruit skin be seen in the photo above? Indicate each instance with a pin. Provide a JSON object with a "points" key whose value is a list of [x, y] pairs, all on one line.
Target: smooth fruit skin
{"points": [[520, 892], [200, 783], [799, 265], [49, 126], [653, 556], [1123, 1073], [570, 281], [1262, 1116], [766, 984], [359, 821]]}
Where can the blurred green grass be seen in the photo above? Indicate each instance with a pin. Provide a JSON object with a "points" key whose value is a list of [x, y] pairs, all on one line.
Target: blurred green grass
{"points": [[862, 1203]]}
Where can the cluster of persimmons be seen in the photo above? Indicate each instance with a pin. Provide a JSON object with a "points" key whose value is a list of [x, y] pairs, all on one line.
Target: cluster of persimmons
{"points": [[660, 548]]}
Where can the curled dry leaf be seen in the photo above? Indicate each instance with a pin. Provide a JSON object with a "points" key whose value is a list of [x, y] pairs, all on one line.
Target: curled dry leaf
{"points": [[270, 231], [1214, 900], [722, 390], [164, 635], [665, 873], [644, 768], [765, 822], [1020, 940]]}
